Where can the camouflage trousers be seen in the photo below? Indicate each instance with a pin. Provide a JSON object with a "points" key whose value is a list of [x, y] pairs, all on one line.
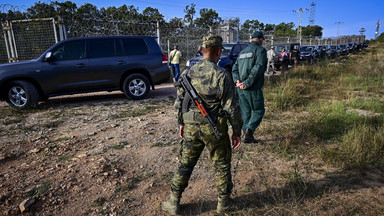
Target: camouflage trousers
{"points": [[196, 137]]}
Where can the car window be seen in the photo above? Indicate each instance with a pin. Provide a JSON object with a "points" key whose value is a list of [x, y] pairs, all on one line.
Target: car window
{"points": [[70, 50], [99, 48], [306, 49], [236, 49], [227, 49], [135, 46]]}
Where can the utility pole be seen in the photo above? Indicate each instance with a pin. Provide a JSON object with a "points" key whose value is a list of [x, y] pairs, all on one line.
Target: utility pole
{"points": [[312, 11], [338, 28], [300, 21], [377, 28]]}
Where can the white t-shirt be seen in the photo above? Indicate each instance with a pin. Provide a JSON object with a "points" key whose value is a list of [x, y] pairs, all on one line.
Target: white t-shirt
{"points": [[270, 54], [175, 55]]}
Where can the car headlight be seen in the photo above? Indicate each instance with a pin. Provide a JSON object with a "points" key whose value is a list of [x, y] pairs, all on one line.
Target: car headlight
{"points": [[188, 64]]}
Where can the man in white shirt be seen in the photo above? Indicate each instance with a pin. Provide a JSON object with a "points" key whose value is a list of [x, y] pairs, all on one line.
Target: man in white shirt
{"points": [[271, 56], [175, 57]]}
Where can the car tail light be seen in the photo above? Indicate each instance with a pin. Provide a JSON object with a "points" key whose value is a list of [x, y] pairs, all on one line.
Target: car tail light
{"points": [[165, 59]]}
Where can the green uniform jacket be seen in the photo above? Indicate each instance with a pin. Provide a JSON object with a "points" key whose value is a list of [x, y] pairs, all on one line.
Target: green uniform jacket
{"points": [[250, 66], [215, 86]]}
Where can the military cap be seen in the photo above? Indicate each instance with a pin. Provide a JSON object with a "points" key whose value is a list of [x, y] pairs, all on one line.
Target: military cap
{"points": [[212, 40], [258, 34]]}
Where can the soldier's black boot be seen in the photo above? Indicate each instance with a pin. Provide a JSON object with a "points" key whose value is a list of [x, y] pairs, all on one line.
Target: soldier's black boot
{"points": [[171, 205], [248, 136]]}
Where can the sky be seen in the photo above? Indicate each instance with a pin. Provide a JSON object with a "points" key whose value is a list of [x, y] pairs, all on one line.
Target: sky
{"points": [[351, 14]]}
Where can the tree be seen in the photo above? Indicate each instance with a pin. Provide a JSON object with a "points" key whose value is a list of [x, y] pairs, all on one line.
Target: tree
{"points": [[12, 15], [190, 12], [285, 29], [315, 31], [65, 9], [252, 25], [152, 15], [208, 18], [380, 38], [176, 22], [88, 11], [41, 10], [234, 23], [269, 27]]}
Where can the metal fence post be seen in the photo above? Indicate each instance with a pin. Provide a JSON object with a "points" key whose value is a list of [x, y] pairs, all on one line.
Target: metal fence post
{"points": [[61, 30], [5, 39], [158, 33], [10, 41], [54, 30]]}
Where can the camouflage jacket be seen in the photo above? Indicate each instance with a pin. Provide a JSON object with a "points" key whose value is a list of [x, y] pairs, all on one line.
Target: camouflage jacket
{"points": [[250, 66], [217, 90]]}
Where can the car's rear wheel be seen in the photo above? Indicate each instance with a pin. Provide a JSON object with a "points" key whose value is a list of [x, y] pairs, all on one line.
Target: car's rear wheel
{"points": [[136, 86], [22, 94]]}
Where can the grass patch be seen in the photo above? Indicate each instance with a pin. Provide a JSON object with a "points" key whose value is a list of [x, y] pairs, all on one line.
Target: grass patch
{"points": [[62, 139], [361, 146], [99, 202], [290, 94], [120, 145], [162, 144], [40, 190], [53, 124], [13, 121], [336, 110], [65, 158]]}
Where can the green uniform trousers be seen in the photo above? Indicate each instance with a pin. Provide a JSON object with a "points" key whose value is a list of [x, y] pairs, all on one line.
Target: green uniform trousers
{"points": [[196, 137], [252, 107]]}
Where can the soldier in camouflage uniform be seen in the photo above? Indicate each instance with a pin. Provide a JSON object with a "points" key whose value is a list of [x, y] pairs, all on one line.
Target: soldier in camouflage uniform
{"points": [[215, 86], [248, 72]]}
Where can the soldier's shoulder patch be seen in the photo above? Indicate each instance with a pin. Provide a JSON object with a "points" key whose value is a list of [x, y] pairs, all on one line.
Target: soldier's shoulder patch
{"points": [[246, 55]]}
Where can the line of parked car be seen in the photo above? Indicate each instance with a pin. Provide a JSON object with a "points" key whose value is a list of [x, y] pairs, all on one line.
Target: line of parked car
{"points": [[307, 54], [314, 53]]}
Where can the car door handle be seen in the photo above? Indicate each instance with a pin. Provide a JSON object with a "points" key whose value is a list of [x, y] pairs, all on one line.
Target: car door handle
{"points": [[81, 65], [120, 62]]}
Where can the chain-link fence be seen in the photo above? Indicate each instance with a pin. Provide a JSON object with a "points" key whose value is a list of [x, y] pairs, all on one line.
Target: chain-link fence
{"points": [[33, 37], [3, 50]]}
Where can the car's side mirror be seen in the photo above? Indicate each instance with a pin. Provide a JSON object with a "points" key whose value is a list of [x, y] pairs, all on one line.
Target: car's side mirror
{"points": [[48, 57], [235, 55]]}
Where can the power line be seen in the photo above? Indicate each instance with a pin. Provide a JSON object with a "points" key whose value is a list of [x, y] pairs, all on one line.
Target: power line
{"points": [[338, 27], [377, 28], [299, 29], [312, 12]]}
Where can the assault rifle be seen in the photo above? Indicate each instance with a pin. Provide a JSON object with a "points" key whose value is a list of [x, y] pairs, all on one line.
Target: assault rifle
{"points": [[187, 86]]}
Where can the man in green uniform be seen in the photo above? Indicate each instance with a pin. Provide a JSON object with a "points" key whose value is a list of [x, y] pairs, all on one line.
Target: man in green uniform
{"points": [[215, 86], [248, 73]]}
